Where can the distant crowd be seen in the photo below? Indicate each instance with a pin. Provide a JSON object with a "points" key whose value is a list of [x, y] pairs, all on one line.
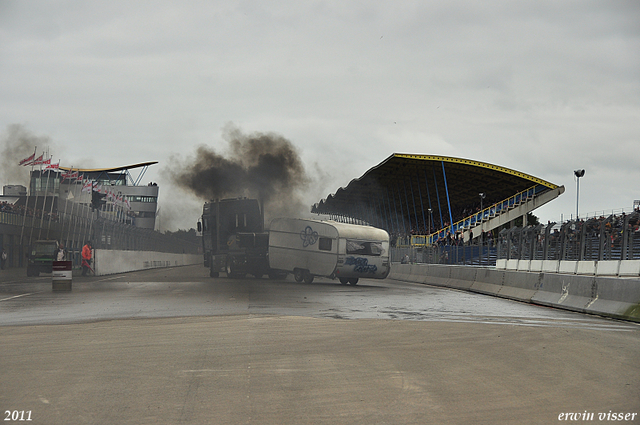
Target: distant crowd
{"points": [[30, 212]]}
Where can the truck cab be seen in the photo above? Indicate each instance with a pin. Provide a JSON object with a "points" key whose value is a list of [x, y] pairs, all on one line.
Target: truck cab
{"points": [[233, 237]]}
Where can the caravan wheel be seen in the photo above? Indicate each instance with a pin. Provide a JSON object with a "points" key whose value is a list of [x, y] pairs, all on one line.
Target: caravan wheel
{"points": [[308, 277], [353, 281], [298, 275], [344, 280]]}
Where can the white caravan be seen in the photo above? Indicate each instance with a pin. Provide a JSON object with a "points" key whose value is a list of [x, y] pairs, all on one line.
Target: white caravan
{"points": [[309, 248]]}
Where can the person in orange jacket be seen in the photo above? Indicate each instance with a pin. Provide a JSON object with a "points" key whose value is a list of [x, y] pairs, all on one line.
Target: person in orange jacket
{"points": [[86, 258]]}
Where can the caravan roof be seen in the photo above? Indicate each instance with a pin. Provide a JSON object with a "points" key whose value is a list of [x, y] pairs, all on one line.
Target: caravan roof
{"points": [[351, 231]]}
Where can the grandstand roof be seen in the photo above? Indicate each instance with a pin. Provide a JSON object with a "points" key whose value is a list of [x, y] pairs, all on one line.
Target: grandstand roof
{"points": [[109, 170], [425, 180]]}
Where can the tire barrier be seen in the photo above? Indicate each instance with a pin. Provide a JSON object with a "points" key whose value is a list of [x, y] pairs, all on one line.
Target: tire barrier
{"points": [[602, 295]]}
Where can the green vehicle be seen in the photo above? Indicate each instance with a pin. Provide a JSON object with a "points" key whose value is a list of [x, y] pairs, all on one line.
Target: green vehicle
{"points": [[41, 257]]}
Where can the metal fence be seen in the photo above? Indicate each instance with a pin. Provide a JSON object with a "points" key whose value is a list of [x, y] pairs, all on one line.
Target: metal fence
{"points": [[616, 237], [73, 224], [475, 254]]}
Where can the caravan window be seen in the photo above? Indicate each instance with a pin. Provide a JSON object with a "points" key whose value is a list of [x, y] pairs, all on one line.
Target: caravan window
{"points": [[325, 244], [364, 248]]}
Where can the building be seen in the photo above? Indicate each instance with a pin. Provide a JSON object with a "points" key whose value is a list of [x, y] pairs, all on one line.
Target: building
{"points": [[14, 190], [137, 204]]}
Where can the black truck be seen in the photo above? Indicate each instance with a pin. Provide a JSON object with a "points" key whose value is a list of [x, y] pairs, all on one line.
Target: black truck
{"points": [[234, 240]]}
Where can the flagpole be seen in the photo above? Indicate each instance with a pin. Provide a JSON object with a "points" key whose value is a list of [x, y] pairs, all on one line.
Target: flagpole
{"points": [[69, 236], [26, 201], [91, 211], [46, 191], [53, 198], [85, 212], [75, 223], [35, 204], [65, 217]]}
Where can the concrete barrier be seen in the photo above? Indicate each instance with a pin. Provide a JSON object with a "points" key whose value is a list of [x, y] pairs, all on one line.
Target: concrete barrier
{"points": [[629, 268], [512, 265], [567, 267], [114, 261], [520, 286], [617, 298], [607, 268], [488, 281], [462, 277], [607, 296], [586, 267], [436, 274], [569, 292], [535, 266], [523, 265], [550, 266]]}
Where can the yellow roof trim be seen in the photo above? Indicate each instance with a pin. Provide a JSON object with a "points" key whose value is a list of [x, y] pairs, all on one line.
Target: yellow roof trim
{"points": [[477, 164]]}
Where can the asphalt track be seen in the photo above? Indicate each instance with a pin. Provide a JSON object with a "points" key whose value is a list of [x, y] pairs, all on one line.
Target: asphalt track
{"points": [[175, 346]]}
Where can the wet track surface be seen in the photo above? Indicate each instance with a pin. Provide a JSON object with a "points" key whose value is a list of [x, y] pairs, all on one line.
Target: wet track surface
{"points": [[176, 346], [189, 291]]}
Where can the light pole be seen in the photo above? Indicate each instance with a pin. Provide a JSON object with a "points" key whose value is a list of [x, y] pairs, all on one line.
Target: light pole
{"points": [[578, 174], [482, 196]]}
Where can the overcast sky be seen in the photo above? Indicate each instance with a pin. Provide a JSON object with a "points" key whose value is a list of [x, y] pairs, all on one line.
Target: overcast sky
{"points": [[544, 87]]}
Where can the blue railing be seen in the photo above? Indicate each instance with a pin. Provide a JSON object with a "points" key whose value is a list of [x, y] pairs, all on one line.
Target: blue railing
{"points": [[479, 217]]}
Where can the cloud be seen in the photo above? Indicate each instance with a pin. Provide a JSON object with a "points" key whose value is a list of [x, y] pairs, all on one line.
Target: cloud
{"points": [[542, 87]]}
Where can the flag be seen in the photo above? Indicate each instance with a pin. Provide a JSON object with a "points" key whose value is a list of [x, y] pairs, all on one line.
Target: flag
{"points": [[37, 161], [69, 175], [53, 166], [28, 161], [86, 186]]}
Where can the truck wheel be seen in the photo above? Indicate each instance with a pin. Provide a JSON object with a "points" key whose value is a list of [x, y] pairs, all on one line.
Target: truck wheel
{"points": [[298, 275], [353, 281], [344, 280], [231, 271], [308, 277]]}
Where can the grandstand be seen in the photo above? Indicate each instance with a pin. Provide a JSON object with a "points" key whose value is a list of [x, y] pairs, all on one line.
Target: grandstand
{"points": [[422, 200]]}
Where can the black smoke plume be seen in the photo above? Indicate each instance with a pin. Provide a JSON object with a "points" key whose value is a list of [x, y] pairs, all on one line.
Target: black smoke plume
{"points": [[16, 144], [260, 165]]}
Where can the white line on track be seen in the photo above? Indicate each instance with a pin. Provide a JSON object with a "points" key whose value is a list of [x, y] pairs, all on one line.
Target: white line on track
{"points": [[21, 295]]}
